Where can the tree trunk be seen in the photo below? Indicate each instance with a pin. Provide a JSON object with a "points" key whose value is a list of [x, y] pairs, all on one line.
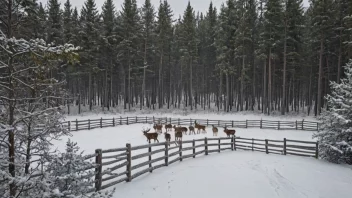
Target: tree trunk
{"points": [[320, 87], [283, 101]]}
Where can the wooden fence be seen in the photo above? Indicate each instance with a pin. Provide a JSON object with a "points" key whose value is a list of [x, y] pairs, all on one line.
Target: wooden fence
{"points": [[77, 125], [114, 166]]}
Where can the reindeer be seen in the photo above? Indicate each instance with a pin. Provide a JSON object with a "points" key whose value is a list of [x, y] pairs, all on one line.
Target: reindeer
{"points": [[215, 131], [168, 137], [181, 129], [191, 130], [150, 136], [158, 128], [178, 134], [199, 127], [229, 132], [168, 127]]}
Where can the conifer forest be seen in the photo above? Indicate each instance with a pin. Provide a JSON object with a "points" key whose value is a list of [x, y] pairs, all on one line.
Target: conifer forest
{"points": [[247, 55]]}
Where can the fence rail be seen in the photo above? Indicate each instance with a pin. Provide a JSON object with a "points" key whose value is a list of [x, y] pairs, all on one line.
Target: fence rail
{"points": [[118, 165], [77, 125]]}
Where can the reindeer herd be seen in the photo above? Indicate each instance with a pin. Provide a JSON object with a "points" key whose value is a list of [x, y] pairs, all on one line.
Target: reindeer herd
{"points": [[180, 131]]}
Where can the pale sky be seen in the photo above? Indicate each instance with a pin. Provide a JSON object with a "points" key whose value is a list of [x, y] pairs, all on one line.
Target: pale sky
{"points": [[178, 6]]}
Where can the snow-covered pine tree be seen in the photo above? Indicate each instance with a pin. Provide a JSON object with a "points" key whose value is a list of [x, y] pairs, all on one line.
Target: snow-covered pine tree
{"points": [[67, 22], [67, 175], [335, 135]]}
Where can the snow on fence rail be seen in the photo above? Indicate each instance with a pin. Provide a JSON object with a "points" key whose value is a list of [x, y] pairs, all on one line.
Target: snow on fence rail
{"points": [[114, 166], [77, 125]]}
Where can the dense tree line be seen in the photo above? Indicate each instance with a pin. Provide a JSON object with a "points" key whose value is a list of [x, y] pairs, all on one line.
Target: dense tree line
{"points": [[268, 55]]}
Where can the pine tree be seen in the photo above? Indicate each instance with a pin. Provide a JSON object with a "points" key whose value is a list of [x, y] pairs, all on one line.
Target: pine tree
{"points": [[67, 22], [189, 46], [273, 32], [129, 46], [54, 23], [321, 26], [89, 37], [148, 24], [335, 139]]}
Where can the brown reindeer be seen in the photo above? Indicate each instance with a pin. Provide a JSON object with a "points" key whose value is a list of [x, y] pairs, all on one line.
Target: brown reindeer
{"points": [[178, 134], [168, 127], [215, 131], [191, 130], [158, 128], [168, 137], [150, 136], [229, 132], [178, 137], [199, 127], [181, 129]]}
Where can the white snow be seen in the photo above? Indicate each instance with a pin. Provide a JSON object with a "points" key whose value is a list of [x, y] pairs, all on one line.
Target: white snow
{"points": [[116, 137], [243, 174], [228, 174]]}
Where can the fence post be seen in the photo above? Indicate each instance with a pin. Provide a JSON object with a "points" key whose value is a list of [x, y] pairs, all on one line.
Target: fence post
{"points": [[278, 125], [194, 149], [98, 169], [170, 120], [302, 124], [76, 125], [206, 145], [284, 146], [261, 123], [232, 141], [232, 123], [246, 123], [146, 119], [252, 144], [219, 123], [166, 153], [120, 120], [153, 120], [150, 157], [101, 122], [127, 120], [207, 122], [317, 150], [129, 160], [296, 125], [178, 121], [317, 126], [113, 121], [219, 145], [266, 146], [136, 119], [180, 149], [88, 124], [69, 125]]}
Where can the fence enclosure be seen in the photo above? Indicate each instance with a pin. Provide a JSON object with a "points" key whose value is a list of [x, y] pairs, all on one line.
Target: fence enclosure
{"points": [[118, 165], [77, 125]]}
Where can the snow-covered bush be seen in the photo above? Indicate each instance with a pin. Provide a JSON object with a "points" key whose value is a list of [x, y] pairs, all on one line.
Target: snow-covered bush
{"points": [[335, 135]]}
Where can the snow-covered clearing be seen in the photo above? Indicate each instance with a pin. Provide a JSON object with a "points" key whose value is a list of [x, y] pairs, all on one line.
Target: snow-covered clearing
{"points": [[230, 173], [243, 174], [115, 137]]}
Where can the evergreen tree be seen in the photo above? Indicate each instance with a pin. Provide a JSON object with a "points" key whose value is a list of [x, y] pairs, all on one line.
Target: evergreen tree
{"points": [[189, 46], [335, 139], [129, 46], [54, 22], [273, 34], [148, 30], [67, 19]]}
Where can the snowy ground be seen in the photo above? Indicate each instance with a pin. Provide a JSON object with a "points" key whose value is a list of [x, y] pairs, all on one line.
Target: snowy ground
{"points": [[243, 174], [229, 174], [116, 137]]}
